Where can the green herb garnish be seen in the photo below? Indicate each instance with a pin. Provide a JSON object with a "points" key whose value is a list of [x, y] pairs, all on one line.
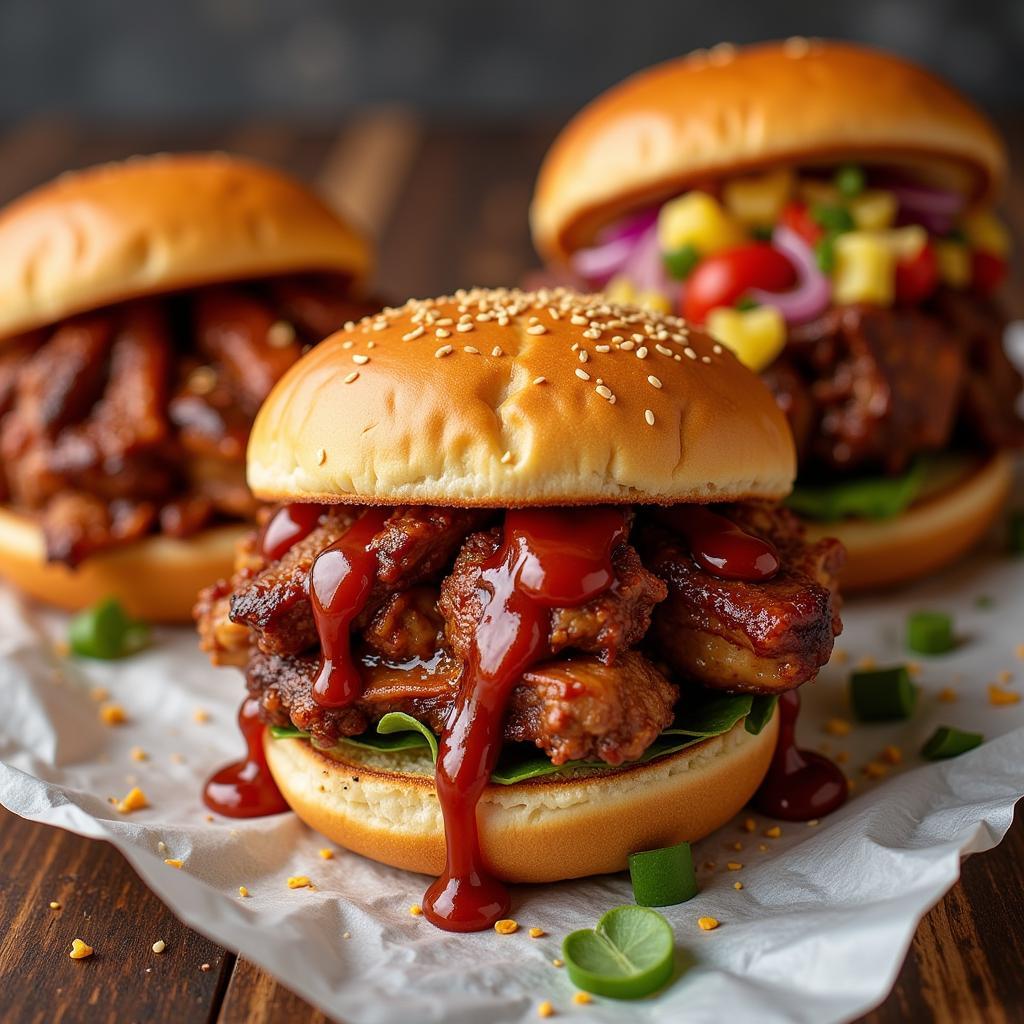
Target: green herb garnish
{"points": [[105, 631], [865, 498], [949, 742], [761, 712], [930, 633], [627, 956], [883, 695], [850, 180], [825, 253], [680, 262], [745, 303], [663, 878], [834, 219]]}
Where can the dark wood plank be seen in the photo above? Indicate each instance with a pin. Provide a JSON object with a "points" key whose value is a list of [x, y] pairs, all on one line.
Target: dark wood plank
{"points": [[103, 902], [254, 997]]}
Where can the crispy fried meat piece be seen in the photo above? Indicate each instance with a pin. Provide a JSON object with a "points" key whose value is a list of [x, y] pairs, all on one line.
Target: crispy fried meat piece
{"points": [[610, 623], [571, 709], [733, 635], [415, 544], [407, 626], [317, 304], [76, 525]]}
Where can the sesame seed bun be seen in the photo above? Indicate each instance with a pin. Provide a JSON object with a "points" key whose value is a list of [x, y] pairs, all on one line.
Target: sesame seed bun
{"points": [[157, 224], [729, 110], [384, 806], [405, 407], [930, 534], [155, 579]]}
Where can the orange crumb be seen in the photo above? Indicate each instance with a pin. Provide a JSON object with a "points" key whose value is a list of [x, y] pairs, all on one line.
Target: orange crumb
{"points": [[998, 697], [557, 963], [867, 662], [134, 800], [774, 832], [200, 715], [763, 847], [1004, 676], [174, 862], [707, 924], [737, 885], [840, 656], [841, 757], [537, 933], [851, 784], [54, 905], [299, 882], [327, 854], [243, 891], [416, 910], [138, 754], [506, 926], [734, 865], [914, 668], [545, 1009], [99, 693], [892, 754], [582, 998], [947, 695], [813, 823], [875, 769], [112, 714], [80, 950], [737, 846], [749, 825], [837, 727]]}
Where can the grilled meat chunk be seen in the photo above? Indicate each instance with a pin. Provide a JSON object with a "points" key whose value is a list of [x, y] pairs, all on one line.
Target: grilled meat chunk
{"points": [[76, 525], [610, 623], [571, 709], [751, 637]]}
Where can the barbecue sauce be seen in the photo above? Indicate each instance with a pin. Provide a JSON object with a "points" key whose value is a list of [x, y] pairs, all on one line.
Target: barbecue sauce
{"points": [[719, 546], [800, 784], [339, 587], [246, 789], [549, 558], [286, 527]]}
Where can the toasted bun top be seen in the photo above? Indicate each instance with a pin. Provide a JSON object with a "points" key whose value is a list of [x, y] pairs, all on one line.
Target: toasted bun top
{"points": [[509, 398], [159, 223], [729, 110]]}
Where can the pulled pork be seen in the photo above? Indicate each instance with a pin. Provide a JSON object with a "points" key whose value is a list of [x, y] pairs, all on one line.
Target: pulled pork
{"points": [[604, 693], [134, 419]]}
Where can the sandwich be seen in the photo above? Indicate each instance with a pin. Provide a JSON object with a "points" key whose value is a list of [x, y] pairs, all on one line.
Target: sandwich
{"points": [[826, 211], [525, 600], [146, 309]]}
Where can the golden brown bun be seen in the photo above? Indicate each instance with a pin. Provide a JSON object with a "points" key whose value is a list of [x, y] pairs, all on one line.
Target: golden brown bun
{"points": [[160, 223], [543, 830], [930, 534], [731, 110], [156, 579], [385, 413]]}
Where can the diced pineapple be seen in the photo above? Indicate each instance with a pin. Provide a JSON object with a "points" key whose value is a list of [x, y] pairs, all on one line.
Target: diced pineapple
{"points": [[696, 219], [906, 242], [954, 261], [985, 231], [757, 199], [874, 209], [756, 336], [815, 192], [864, 268], [621, 289], [655, 301]]}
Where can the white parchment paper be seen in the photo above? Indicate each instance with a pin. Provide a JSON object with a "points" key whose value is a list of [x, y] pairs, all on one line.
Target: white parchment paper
{"points": [[817, 933]]}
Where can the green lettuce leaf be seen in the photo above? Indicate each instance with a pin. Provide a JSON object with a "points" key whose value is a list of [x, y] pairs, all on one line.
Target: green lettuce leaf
{"points": [[863, 498], [760, 715], [401, 724]]}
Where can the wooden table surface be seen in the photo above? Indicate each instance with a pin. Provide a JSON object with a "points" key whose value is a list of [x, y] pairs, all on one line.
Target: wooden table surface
{"points": [[447, 202]]}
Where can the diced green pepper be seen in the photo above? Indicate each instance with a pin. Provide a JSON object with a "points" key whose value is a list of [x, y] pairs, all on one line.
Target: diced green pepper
{"points": [[930, 633], [834, 219], [105, 631], [883, 695], [680, 262], [850, 180], [947, 741], [663, 878]]}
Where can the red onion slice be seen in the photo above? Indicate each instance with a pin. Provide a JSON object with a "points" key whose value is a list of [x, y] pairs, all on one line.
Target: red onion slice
{"points": [[813, 291], [935, 209]]}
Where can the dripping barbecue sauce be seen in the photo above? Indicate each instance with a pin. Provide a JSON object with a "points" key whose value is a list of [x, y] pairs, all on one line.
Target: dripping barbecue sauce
{"points": [[286, 527], [800, 784], [548, 558], [245, 789]]}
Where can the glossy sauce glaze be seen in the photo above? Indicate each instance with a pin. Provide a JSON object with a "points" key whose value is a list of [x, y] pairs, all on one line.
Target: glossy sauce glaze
{"points": [[245, 789], [718, 545], [548, 558], [339, 587], [800, 784], [286, 527]]}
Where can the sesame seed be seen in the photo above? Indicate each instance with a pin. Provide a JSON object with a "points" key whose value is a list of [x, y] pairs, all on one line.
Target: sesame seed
{"points": [[347, 344], [464, 327], [539, 380], [442, 333], [159, 946], [641, 352], [689, 353], [602, 348], [592, 333], [582, 374], [537, 329], [412, 335], [717, 349], [580, 321], [604, 392], [371, 344], [443, 351], [649, 416], [360, 360], [653, 381], [354, 375], [663, 350], [506, 458], [628, 346], [470, 350], [705, 359], [583, 355], [496, 351]]}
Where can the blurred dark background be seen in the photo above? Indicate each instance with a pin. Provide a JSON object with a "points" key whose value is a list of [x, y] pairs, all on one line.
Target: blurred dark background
{"points": [[217, 59]]}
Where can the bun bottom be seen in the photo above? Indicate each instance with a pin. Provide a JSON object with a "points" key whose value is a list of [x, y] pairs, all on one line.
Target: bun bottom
{"points": [[929, 535], [156, 579], [541, 830]]}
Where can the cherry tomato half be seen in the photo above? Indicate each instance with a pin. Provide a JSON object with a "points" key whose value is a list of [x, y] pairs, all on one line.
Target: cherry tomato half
{"points": [[797, 217], [987, 271], [723, 278], [917, 277]]}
